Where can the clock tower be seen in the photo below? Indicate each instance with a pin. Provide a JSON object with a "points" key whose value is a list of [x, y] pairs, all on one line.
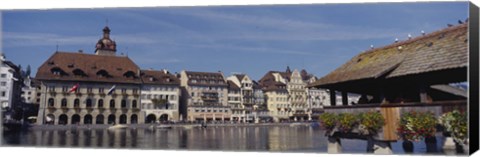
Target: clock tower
{"points": [[106, 46]]}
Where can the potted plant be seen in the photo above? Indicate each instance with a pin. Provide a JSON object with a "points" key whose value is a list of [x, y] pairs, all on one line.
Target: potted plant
{"points": [[455, 125], [346, 122], [417, 126], [370, 122], [328, 122]]}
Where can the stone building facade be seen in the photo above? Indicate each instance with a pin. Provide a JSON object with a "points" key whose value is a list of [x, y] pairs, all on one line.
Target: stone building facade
{"points": [[160, 96], [247, 97], [274, 87], [100, 88], [235, 102], [205, 96]]}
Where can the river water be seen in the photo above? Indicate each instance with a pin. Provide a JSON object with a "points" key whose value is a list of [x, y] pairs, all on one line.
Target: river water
{"points": [[305, 139]]}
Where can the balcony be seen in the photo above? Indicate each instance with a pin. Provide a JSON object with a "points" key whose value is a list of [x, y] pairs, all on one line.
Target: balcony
{"points": [[209, 98]]}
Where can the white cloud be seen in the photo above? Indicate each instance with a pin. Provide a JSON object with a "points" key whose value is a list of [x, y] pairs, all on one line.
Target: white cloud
{"points": [[22, 39]]}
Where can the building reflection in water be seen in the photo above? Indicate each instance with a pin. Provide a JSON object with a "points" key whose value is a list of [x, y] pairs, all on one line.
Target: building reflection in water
{"points": [[273, 138]]}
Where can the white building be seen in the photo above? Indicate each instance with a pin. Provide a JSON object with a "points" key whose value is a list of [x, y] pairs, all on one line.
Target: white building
{"points": [[29, 91], [10, 84], [247, 99], [160, 96]]}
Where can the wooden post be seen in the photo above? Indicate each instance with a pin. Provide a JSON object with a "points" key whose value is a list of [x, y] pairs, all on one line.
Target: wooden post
{"points": [[423, 95], [344, 98], [392, 116], [333, 98]]}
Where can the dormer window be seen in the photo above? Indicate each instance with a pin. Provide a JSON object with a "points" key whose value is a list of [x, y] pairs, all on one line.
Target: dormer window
{"points": [[102, 73], [129, 74], [78, 72], [57, 71], [70, 65], [152, 79], [51, 63]]}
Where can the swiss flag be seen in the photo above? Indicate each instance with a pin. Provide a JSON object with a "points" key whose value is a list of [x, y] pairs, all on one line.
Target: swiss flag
{"points": [[73, 88]]}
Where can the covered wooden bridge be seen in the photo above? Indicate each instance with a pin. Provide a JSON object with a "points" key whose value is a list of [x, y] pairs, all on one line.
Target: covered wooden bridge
{"points": [[420, 73]]}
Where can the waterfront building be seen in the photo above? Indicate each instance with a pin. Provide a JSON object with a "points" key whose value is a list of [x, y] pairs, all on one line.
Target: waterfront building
{"points": [[297, 94], [29, 91], [235, 102], [160, 96], [205, 96], [10, 88], [415, 74], [261, 112], [247, 99], [274, 87], [300, 99], [80, 88]]}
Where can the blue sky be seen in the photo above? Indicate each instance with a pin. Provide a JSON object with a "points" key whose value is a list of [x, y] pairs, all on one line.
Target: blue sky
{"points": [[247, 39]]}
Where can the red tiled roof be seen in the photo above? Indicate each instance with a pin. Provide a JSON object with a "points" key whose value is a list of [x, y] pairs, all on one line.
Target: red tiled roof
{"points": [[155, 77], [89, 67], [205, 78]]}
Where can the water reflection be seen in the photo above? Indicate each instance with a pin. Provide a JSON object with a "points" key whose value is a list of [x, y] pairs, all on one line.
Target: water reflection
{"points": [[278, 138], [258, 138]]}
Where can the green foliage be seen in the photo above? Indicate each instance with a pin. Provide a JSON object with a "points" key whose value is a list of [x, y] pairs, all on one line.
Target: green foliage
{"points": [[328, 121], [455, 123], [347, 121], [416, 126], [371, 122]]}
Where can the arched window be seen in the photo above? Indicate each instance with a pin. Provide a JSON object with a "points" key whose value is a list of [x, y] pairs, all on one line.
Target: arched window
{"points": [[112, 103], [76, 103], [89, 103], [100, 103], [51, 102], [64, 102], [124, 103], [134, 103]]}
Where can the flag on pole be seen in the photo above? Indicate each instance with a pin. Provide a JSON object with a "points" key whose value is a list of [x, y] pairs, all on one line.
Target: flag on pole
{"points": [[110, 91], [74, 88]]}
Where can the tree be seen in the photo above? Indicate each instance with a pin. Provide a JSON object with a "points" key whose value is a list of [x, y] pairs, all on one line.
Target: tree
{"points": [[160, 103], [28, 71]]}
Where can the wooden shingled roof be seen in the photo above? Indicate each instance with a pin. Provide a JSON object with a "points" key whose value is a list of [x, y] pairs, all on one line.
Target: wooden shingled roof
{"points": [[441, 50], [74, 66]]}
